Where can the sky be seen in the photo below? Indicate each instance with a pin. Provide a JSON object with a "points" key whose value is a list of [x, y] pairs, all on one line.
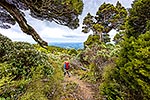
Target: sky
{"points": [[52, 32]]}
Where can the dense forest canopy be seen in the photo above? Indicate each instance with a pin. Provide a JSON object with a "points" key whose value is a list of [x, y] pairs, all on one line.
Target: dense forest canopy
{"points": [[63, 12]]}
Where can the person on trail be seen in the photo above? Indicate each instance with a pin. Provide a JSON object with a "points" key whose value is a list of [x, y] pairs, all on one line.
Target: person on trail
{"points": [[66, 68]]}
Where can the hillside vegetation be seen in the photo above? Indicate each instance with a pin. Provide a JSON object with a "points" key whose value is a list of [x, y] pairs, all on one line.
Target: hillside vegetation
{"points": [[100, 71]]}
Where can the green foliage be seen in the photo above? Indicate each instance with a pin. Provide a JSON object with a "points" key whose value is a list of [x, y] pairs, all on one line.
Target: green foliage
{"points": [[29, 73], [63, 12], [95, 57], [37, 87], [97, 28], [109, 87], [108, 17], [88, 21], [131, 74], [6, 46], [51, 10], [92, 74], [42, 89], [138, 19], [106, 38], [51, 49], [20, 66], [91, 40], [72, 52], [22, 45], [4, 98], [148, 25], [119, 37], [130, 78], [26, 58], [74, 4], [52, 88]]}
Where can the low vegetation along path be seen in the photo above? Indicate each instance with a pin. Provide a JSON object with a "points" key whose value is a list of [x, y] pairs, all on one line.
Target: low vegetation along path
{"points": [[84, 89]]}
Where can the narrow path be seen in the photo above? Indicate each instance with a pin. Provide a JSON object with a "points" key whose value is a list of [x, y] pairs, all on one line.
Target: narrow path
{"points": [[84, 89]]}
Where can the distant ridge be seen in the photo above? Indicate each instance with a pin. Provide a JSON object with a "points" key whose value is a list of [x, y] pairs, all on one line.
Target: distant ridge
{"points": [[68, 45]]}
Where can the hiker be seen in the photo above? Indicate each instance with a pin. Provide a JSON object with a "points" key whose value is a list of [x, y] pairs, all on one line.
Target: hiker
{"points": [[66, 68]]}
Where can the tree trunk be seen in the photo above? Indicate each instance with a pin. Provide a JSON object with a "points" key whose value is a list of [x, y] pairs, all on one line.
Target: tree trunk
{"points": [[26, 28]]}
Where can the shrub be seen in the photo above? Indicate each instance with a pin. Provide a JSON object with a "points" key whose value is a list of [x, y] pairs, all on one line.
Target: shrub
{"points": [[24, 58], [91, 40], [131, 76], [20, 66], [22, 45], [6, 45], [72, 52]]}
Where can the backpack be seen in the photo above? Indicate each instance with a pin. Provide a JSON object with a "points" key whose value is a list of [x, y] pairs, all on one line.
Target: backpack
{"points": [[66, 65]]}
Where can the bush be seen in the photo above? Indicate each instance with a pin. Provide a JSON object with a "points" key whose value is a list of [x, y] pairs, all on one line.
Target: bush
{"points": [[91, 40], [131, 76], [25, 58], [20, 66], [72, 52], [6, 45], [22, 45], [96, 57]]}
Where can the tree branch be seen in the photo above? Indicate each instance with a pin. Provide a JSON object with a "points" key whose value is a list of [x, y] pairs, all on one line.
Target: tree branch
{"points": [[26, 28]]}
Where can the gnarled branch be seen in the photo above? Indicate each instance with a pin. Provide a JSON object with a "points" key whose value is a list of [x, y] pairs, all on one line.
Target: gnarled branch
{"points": [[25, 27]]}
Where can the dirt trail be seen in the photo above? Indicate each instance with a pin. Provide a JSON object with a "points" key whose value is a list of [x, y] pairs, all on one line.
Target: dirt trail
{"points": [[84, 90]]}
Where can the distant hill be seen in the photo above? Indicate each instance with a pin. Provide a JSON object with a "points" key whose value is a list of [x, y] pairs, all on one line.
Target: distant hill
{"points": [[68, 45]]}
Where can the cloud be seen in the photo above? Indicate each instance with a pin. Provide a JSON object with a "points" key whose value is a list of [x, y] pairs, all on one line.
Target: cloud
{"points": [[52, 32], [71, 36], [16, 34]]}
